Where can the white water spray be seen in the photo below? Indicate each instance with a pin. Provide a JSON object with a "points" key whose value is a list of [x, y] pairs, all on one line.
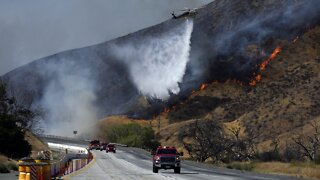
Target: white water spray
{"points": [[157, 65]]}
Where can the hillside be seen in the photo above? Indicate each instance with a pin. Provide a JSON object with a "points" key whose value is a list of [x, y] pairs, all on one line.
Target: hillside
{"points": [[157, 68], [279, 106]]}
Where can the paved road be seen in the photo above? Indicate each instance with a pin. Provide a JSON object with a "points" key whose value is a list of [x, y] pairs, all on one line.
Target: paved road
{"points": [[13, 175], [132, 163]]}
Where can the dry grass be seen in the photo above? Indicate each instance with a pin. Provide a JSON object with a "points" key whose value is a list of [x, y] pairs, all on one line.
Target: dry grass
{"points": [[220, 90], [36, 144], [305, 170], [169, 135], [286, 137], [231, 126]]}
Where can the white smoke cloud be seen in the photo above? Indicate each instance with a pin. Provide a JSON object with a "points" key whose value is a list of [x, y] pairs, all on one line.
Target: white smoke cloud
{"points": [[159, 63], [68, 99]]}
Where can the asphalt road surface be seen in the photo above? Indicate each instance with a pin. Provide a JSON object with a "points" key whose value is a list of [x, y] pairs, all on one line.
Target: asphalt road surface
{"points": [[132, 163]]}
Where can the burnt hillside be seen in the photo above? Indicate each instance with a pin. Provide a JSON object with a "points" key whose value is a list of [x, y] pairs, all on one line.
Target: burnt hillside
{"points": [[286, 99], [231, 37]]}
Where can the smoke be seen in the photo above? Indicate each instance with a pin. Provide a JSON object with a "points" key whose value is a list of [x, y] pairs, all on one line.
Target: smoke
{"points": [[68, 99], [157, 64], [238, 41], [78, 86], [73, 84]]}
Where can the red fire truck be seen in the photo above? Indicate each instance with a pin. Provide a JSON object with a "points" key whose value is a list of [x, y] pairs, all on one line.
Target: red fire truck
{"points": [[166, 158]]}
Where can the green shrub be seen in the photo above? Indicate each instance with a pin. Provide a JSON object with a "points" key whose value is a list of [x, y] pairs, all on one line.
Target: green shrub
{"points": [[133, 135]]}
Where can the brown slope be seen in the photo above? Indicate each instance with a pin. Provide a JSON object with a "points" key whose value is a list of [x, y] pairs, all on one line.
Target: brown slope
{"points": [[287, 97]]}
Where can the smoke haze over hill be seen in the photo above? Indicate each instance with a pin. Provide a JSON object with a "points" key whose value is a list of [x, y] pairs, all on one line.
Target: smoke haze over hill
{"points": [[34, 29]]}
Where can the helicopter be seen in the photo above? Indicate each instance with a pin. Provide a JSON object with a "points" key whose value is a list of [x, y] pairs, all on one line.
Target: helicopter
{"points": [[185, 13]]}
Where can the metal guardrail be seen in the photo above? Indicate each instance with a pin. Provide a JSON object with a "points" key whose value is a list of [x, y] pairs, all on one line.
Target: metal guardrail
{"points": [[72, 139], [70, 163], [122, 145], [76, 159], [61, 137]]}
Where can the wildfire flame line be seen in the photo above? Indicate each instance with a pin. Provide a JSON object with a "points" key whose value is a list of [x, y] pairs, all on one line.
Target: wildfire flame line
{"points": [[263, 65], [272, 56], [203, 86], [253, 82]]}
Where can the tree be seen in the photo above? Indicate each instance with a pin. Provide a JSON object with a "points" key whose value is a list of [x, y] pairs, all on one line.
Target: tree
{"points": [[242, 147], [11, 134], [19, 111], [12, 139], [205, 139], [310, 144], [208, 141]]}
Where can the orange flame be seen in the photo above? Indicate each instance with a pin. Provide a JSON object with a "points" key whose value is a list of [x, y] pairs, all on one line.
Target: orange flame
{"points": [[203, 86], [252, 83], [258, 78], [255, 80], [263, 65], [272, 56], [166, 110]]}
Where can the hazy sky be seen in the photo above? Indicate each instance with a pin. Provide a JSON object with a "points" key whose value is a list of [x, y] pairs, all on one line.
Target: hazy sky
{"points": [[33, 29]]}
